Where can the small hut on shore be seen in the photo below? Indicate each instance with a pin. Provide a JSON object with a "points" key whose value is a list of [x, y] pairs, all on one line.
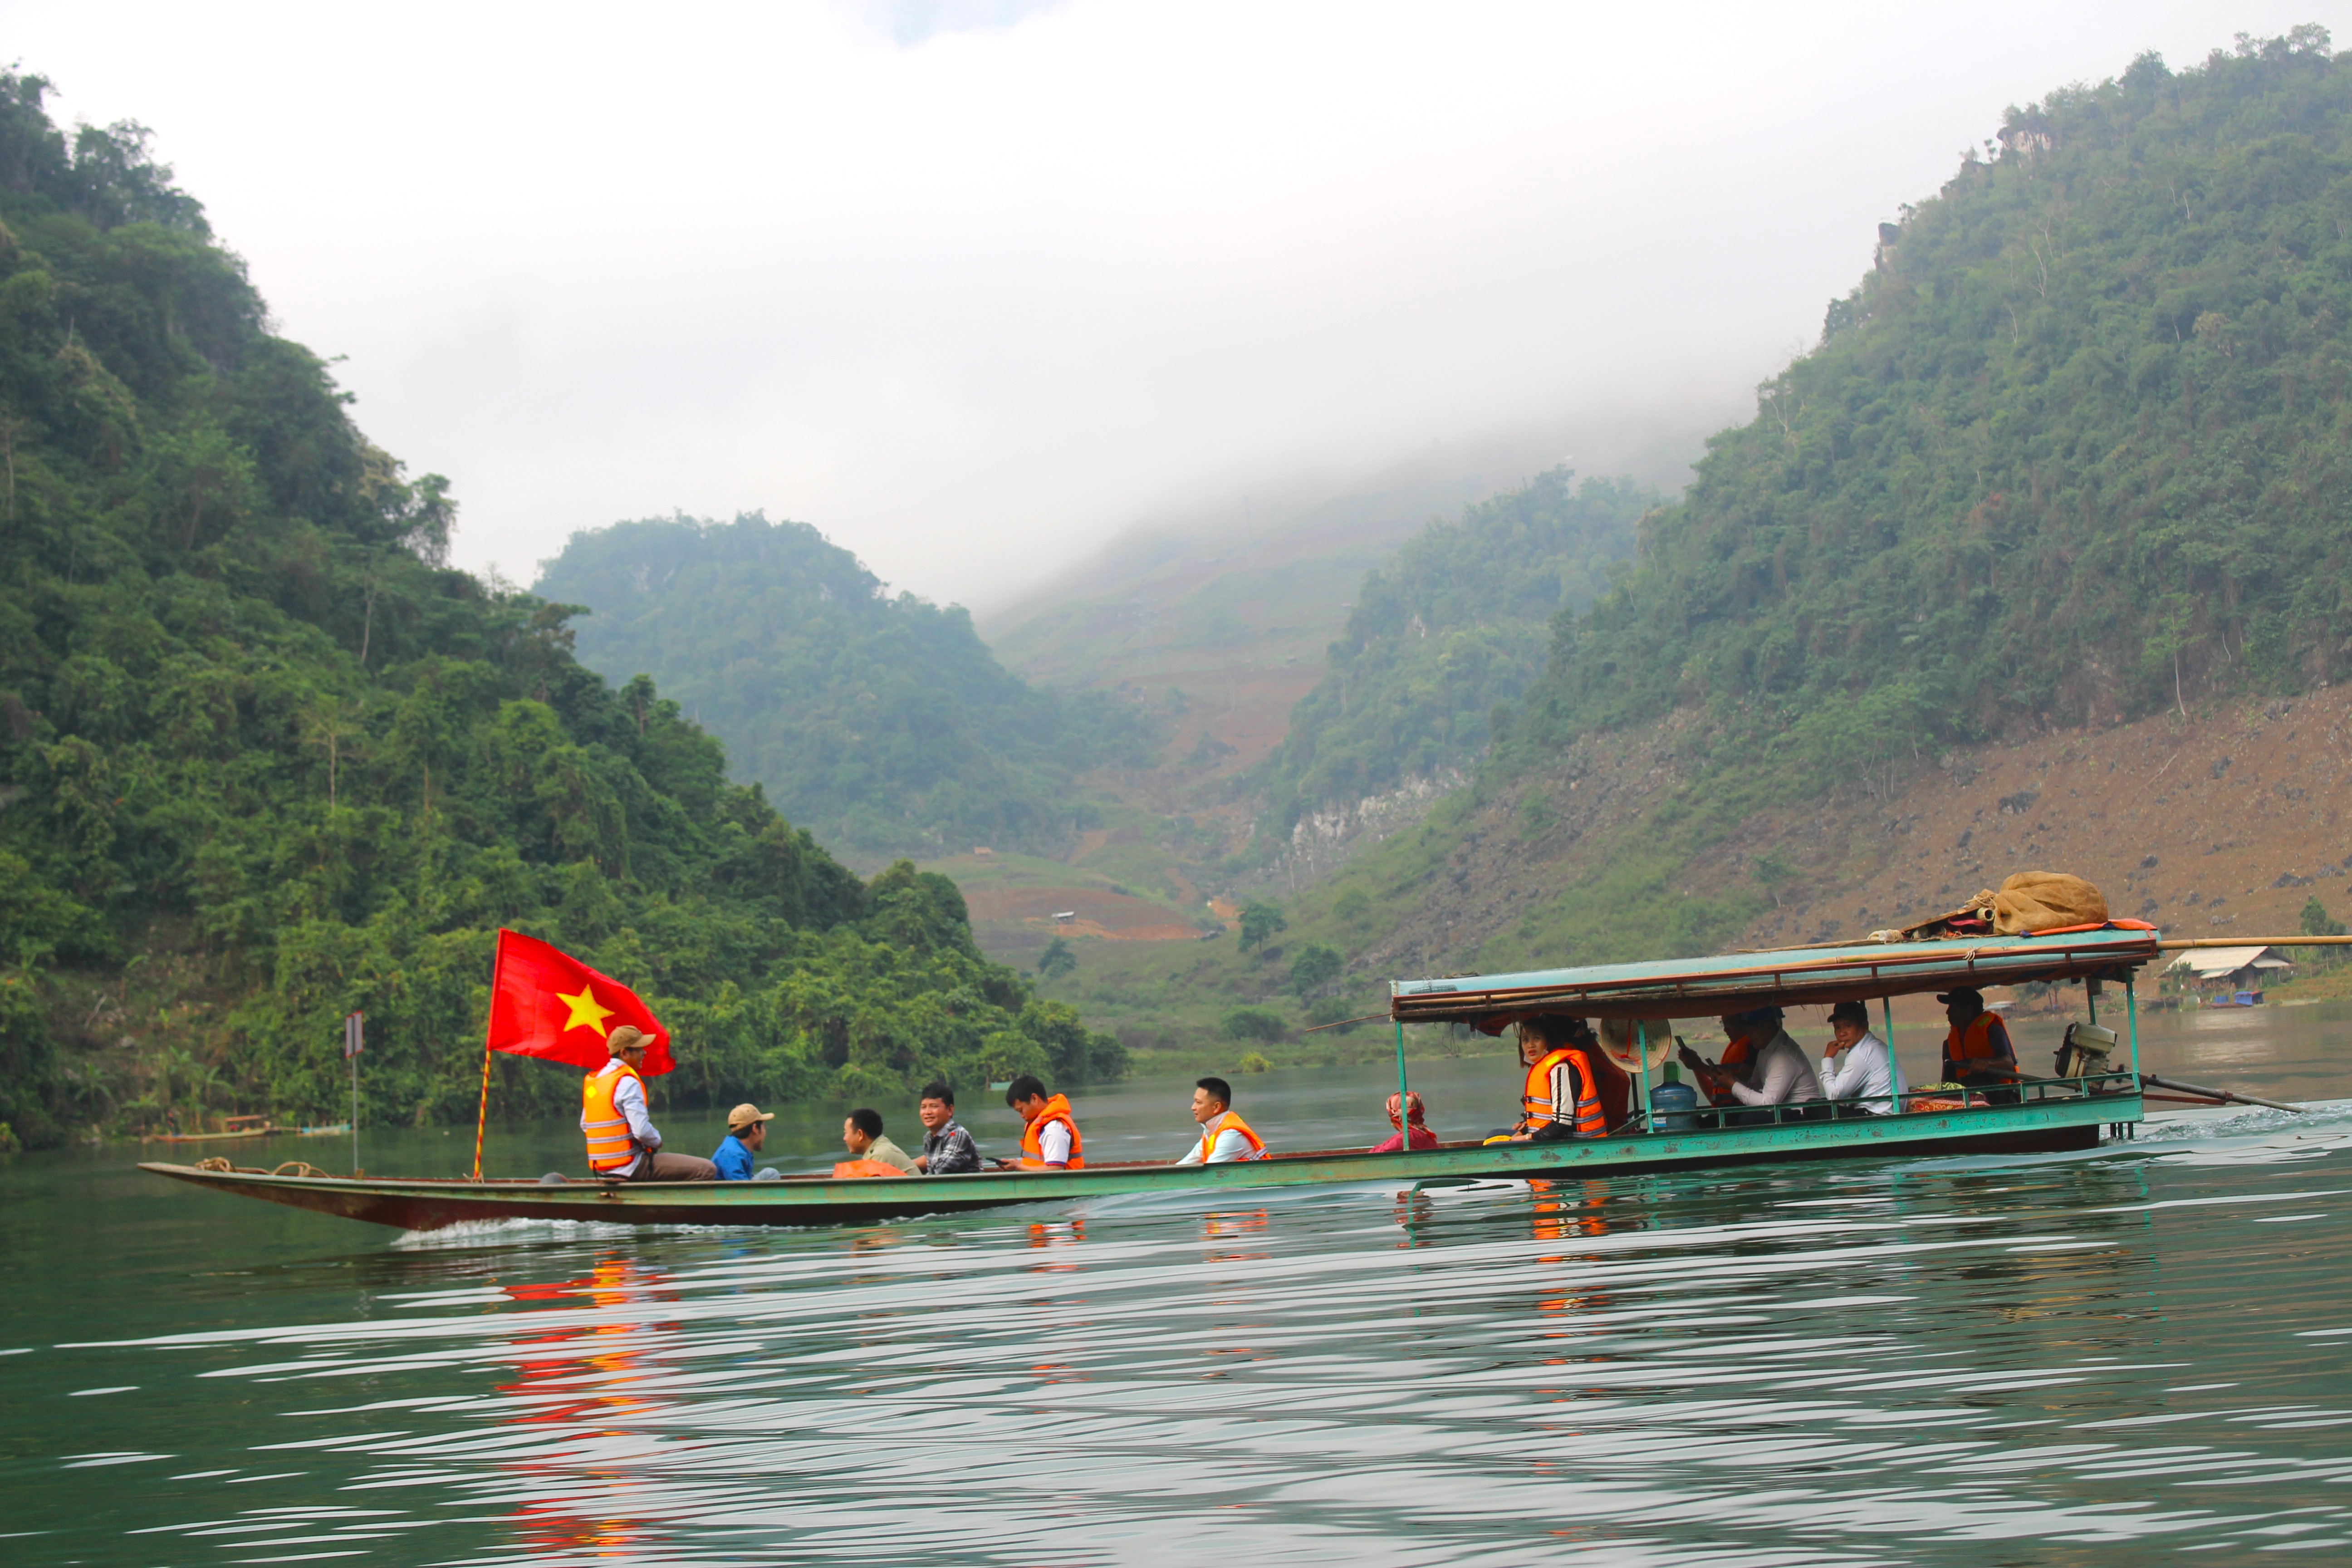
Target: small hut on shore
{"points": [[2229, 970]]}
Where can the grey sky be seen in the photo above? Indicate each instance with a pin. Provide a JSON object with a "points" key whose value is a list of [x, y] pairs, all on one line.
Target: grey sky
{"points": [[972, 285]]}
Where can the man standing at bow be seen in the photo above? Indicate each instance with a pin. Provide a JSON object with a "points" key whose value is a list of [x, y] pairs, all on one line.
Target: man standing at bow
{"points": [[623, 1142]]}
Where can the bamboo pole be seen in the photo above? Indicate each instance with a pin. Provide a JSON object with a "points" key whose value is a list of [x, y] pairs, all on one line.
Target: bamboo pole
{"points": [[2181, 943], [482, 1117], [2222, 1096]]}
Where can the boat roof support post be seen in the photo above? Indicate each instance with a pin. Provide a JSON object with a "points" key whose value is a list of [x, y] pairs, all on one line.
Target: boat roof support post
{"points": [[1404, 1098], [2131, 1023], [1893, 1067], [1641, 1069]]}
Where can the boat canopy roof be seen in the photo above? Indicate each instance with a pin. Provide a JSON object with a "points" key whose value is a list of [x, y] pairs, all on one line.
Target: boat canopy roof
{"points": [[1735, 982]]}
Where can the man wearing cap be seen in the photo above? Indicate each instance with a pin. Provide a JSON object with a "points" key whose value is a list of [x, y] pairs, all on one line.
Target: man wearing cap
{"points": [[623, 1142], [1976, 1050], [746, 1129]]}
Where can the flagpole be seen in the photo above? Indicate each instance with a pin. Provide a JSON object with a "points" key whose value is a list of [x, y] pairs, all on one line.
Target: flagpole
{"points": [[482, 1117]]}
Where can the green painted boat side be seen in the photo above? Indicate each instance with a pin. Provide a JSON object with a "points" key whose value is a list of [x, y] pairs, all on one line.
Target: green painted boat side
{"points": [[2042, 1126]]}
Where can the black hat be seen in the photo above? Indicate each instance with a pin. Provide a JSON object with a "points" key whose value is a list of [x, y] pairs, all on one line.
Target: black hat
{"points": [[1969, 993], [1858, 1011]]}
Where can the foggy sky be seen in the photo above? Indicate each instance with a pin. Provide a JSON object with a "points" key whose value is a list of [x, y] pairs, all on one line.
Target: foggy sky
{"points": [[970, 286]]}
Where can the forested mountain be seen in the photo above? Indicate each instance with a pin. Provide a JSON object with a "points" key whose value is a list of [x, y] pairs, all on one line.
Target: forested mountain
{"points": [[2075, 450], [880, 721], [1457, 624], [264, 759]]}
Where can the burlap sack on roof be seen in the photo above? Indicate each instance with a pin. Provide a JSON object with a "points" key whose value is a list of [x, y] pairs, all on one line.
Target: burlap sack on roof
{"points": [[2044, 901]]}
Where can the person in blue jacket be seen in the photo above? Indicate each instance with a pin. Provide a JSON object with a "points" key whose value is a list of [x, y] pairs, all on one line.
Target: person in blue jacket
{"points": [[746, 1129]]}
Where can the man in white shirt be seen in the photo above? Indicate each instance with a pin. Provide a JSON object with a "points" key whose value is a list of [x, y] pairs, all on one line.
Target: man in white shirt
{"points": [[1858, 1063], [1783, 1074]]}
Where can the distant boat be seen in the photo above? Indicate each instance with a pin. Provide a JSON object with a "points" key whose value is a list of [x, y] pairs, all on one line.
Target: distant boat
{"points": [[2237, 999], [234, 1127], [332, 1130]]}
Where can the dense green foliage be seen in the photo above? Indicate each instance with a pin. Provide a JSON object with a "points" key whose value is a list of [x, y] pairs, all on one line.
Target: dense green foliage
{"points": [[250, 726], [883, 723], [2078, 449], [1456, 625]]}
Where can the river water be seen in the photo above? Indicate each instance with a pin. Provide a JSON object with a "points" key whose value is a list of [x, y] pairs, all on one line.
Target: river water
{"points": [[2072, 1359]]}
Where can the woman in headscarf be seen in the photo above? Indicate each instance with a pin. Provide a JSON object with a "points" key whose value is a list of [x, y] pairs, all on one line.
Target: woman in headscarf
{"points": [[1414, 1113]]}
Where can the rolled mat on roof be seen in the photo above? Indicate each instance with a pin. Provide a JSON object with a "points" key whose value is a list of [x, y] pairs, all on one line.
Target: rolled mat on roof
{"points": [[2028, 902]]}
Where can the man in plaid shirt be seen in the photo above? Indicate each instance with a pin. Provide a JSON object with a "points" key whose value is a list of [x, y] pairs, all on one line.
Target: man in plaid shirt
{"points": [[947, 1147]]}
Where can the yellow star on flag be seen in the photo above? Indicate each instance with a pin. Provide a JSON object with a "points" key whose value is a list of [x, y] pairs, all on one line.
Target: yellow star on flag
{"points": [[585, 1012]]}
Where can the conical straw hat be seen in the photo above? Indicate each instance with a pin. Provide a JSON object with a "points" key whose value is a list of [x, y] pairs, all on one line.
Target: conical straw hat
{"points": [[1617, 1038]]}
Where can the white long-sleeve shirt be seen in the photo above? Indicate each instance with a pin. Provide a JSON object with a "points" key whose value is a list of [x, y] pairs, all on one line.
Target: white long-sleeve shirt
{"points": [[1230, 1145], [1785, 1073], [629, 1099], [1864, 1068], [1054, 1143]]}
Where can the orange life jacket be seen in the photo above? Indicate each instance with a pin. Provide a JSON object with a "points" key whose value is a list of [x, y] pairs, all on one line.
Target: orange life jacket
{"points": [[610, 1147], [864, 1168], [1218, 1124], [1972, 1041], [1735, 1064], [1033, 1152], [1536, 1102]]}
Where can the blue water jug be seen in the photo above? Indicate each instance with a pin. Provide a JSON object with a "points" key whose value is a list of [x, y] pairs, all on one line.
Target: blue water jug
{"points": [[1674, 1106]]}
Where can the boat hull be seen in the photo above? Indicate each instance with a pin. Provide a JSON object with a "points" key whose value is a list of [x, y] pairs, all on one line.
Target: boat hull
{"points": [[2043, 1127]]}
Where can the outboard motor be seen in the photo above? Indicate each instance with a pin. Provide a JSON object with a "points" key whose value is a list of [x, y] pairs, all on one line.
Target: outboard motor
{"points": [[2083, 1053]]}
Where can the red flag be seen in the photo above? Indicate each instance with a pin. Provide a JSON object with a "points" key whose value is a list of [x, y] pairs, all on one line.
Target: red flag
{"points": [[546, 1004]]}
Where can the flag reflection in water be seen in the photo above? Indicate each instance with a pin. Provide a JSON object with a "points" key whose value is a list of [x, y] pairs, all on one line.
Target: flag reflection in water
{"points": [[576, 1376]]}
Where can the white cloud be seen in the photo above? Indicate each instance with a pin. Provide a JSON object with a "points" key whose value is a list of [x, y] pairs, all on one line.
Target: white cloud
{"points": [[970, 284]]}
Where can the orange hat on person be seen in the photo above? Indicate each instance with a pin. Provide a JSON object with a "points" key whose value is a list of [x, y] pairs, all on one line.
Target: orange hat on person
{"points": [[1412, 1100]]}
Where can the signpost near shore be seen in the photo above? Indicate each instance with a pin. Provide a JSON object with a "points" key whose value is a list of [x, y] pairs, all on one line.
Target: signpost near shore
{"points": [[354, 1041]]}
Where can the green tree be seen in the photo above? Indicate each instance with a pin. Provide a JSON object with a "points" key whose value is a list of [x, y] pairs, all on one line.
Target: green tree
{"points": [[1057, 959], [1313, 969], [1253, 1024], [1260, 924]]}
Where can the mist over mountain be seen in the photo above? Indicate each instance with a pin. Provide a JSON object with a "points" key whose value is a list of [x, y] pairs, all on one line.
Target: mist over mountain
{"points": [[878, 721], [1444, 636]]}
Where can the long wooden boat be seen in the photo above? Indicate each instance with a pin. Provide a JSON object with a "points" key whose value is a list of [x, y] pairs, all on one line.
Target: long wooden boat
{"points": [[2050, 1114]]}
